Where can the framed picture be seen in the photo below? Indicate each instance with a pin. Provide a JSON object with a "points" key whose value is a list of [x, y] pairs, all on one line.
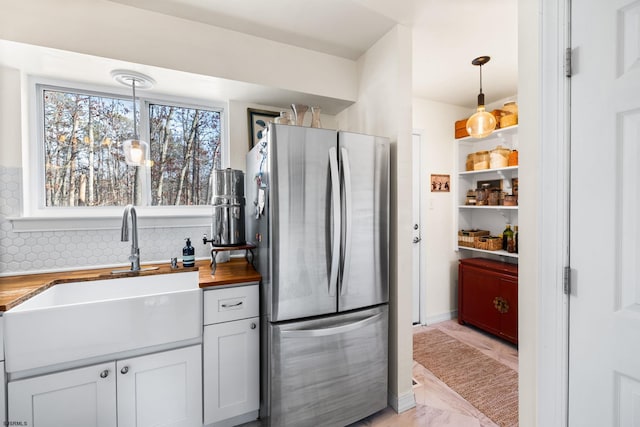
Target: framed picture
{"points": [[258, 121], [440, 183]]}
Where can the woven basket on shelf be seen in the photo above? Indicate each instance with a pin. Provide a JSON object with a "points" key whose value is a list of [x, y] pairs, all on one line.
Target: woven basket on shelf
{"points": [[488, 243], [466, 237]]}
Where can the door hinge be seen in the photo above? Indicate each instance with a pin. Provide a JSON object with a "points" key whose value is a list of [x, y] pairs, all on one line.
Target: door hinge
{"points": [[567, 280], [567, 62]]}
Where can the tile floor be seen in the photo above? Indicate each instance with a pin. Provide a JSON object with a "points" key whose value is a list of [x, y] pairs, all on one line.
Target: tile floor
{"points": [[436, 404]]}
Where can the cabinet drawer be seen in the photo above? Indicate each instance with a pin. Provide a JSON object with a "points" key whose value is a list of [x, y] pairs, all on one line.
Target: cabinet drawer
{"points": [[223, 305]]}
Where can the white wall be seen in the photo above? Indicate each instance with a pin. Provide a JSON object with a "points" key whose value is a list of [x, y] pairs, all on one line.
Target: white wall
{"points": [[384, 108], [529, 93], [439, 259], [112, 30], [10, 111]]}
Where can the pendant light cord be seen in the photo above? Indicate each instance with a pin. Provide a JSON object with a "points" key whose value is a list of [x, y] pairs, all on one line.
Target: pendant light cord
{"points": [[480, 79], [135, 126]]}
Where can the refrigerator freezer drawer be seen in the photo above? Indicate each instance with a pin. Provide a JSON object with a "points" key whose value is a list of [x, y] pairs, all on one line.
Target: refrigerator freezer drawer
{"points": [[330, 371]]}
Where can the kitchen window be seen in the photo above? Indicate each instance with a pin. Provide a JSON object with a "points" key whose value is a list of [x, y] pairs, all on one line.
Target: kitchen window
{"points": [[74, 173], [84, 163]]}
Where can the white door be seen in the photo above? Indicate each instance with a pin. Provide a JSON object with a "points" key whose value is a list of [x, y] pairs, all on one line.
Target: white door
{"points": [[83, 397], [416, 229], [231, 369], [161, 389], [604, 351]]}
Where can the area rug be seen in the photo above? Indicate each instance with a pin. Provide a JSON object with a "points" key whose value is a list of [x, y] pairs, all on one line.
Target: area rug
{"points": [[482, 381]]}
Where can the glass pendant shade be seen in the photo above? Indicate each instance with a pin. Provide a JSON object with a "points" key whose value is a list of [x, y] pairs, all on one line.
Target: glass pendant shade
{"points": [[135, 152], [482, 123]]}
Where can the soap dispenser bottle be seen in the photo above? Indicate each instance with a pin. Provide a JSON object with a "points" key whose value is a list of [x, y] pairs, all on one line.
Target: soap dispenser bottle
{"points": [[188, 254]]}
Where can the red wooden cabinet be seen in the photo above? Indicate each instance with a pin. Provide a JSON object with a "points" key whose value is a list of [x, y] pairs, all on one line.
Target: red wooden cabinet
{"points": [[488, 296]]}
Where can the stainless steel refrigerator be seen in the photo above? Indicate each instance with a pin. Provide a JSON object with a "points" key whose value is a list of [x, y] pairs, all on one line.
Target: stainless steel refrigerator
{"points": [[318, 209]]}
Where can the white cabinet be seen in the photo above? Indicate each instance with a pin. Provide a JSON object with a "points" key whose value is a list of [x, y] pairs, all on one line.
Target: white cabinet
{"points": [[3, 386], [82, 397], [161, 389], [231, 380], [3, 395], [231, 356], [492, 218], [157, 389]]}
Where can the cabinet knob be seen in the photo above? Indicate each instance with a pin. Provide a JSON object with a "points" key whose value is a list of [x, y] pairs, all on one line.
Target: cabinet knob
{"points": [[416, 240], [124, 370], [104, 374], [253, 325]]}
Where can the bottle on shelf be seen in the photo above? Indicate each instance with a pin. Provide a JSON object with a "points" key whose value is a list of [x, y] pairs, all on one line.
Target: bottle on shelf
{"points": [[515, 237], [507, 235], [511, 244]]}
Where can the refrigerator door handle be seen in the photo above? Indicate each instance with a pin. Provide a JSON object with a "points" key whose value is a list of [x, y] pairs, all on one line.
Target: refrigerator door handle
{"points": [[335, 245], [323, 332], [348, 213]]}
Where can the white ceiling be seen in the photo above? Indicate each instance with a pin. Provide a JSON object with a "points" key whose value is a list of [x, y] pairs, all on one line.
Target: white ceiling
{"points": [[447, 35]]}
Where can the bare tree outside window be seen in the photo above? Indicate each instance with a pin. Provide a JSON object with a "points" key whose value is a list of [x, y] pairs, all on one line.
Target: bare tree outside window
{"points": [[185, 148], [84, 161]]}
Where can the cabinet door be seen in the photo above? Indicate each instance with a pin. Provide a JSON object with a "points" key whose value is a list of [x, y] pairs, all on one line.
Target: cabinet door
{"points": [[509, 319], [3, 400], [161, 389], [478, 289], [84, 397], [231, 369]]}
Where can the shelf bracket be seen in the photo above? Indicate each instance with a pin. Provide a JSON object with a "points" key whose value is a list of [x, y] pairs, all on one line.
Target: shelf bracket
{"points": [[505, 214]]}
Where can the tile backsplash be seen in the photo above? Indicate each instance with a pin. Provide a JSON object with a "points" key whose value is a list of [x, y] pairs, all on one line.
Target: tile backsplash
{"points": [[29, 252]]}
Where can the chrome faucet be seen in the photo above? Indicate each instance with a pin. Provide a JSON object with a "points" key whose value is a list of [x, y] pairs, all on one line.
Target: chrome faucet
{"points": [[134, 257]]}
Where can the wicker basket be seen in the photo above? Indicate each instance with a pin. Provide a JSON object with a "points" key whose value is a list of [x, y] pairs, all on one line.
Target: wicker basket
{"points": [[488, 243], [466, 237]]}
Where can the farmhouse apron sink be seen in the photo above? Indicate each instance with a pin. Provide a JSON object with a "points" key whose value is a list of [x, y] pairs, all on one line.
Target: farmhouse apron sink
{"points": [[80, 320]]}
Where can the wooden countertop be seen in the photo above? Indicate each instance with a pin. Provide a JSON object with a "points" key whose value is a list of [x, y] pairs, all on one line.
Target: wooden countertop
{"points": [[19, 288], [236, 270]]}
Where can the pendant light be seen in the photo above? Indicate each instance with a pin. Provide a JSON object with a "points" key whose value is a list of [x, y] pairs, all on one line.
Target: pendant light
{"points": [[135, 150], [482, 123]]}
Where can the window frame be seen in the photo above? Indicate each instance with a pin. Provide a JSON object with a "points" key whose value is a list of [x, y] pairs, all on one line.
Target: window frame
{"points": [[82, 217]]}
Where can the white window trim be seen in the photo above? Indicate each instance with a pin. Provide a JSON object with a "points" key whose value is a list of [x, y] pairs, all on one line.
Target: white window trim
{"points": [[36, 217]]}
